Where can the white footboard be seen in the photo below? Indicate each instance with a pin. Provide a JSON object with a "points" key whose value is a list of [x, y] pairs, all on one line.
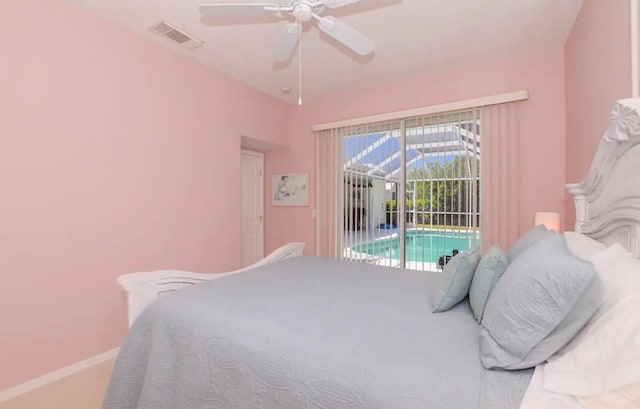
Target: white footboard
{"points": [[143, 288]]}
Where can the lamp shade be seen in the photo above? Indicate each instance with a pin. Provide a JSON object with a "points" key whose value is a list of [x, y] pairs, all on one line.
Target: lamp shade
{"points": [[549, 219]]}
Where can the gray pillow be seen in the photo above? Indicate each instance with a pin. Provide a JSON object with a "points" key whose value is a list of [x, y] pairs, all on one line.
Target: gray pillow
{"points": [[456, 280], [525, 241], [488, 272], [544, 298]]}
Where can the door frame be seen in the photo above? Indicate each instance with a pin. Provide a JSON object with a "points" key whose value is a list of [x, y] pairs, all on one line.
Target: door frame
{"points": [[260, 198]]}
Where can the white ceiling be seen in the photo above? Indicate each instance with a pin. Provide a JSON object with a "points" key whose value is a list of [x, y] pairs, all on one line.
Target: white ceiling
{"points": [[411, 35]]}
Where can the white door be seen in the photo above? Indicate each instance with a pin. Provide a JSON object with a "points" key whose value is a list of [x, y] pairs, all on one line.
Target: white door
{"points": [[252, 207]]}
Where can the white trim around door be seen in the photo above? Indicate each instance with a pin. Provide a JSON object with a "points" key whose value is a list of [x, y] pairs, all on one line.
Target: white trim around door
{"points": [[252, 207]]}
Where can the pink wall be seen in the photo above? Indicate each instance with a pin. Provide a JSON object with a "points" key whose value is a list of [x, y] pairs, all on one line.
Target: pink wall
{"points": [[117, 155], [597, 72], [541, 145], [115, 152]]}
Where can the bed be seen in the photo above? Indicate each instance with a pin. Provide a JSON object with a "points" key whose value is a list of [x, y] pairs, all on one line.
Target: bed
{"points": [[304, 332]]}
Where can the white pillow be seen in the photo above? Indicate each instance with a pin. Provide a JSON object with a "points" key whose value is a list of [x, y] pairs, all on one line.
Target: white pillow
{"points": [[606, 359], [615, 267], [537, 397], [605, 355], [627, 397], [582, 246]]}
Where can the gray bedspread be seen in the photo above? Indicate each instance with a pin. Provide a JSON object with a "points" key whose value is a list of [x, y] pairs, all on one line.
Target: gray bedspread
{"points": [[308, 333]]}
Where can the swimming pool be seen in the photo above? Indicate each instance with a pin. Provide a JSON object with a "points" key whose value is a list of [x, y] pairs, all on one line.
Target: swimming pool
{"points": [[422, 245]]}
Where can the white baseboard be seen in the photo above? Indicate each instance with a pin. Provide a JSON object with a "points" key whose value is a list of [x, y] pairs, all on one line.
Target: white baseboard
{"points": [[54, 376]]}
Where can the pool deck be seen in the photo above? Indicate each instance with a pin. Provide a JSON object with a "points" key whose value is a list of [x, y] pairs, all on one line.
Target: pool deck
{"points": [[353, 255], [355, 238]]}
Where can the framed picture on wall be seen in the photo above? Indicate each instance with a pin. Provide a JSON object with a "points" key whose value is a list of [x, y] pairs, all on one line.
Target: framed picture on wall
{"points": [[290, 189]]}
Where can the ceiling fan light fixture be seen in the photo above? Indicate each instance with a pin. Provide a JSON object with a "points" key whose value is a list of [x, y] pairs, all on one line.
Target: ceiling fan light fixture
{"points": [[303, 12]]}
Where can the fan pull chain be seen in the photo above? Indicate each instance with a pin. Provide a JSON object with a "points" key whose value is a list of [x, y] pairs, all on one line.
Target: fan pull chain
{"points": [[300, 64]]}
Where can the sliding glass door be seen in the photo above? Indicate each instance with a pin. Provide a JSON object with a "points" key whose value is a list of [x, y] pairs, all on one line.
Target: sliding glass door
{"points": [[411, 190], [370, 153], [442, 188]]}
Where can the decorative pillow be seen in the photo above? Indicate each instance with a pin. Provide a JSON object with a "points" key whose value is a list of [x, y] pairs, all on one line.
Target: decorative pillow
{"points": [[544, 298], [528, 239], [582, 246], [605, 355], [456, 280], [488, 272]]}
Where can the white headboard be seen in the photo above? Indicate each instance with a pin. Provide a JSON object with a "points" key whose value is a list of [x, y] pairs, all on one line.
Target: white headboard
{"points": [[608, 199]]}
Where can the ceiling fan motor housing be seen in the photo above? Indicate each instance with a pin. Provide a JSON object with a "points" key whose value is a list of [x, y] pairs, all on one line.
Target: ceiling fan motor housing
{"points": [[303, 10]]}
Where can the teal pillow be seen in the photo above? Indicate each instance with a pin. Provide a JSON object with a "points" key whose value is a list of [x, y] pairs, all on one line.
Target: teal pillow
{"points": [[529, 238], [488, 272], [544, 298], [456, 280]]}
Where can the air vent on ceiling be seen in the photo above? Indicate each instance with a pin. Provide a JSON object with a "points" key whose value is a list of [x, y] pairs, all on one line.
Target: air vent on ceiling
{"points": [[176, 35]]}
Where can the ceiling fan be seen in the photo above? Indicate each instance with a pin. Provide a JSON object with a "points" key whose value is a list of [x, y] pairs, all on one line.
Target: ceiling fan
{"points": [[303, 11]]}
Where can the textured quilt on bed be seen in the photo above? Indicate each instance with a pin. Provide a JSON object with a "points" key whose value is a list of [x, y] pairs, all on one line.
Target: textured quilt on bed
{"points": [[308, 333]]}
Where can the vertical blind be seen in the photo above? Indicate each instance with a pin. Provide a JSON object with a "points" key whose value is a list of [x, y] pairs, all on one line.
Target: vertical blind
{"points": [[500, 174], [328, 197]]}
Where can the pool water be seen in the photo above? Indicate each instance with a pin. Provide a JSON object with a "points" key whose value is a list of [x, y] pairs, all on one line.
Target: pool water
{"points": [[422, 245]]}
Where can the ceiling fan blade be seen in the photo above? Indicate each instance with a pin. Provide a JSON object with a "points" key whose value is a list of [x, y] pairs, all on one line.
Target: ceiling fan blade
{"points": [[288, 43], [226, 9], [332, 4], [347, 35]]}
